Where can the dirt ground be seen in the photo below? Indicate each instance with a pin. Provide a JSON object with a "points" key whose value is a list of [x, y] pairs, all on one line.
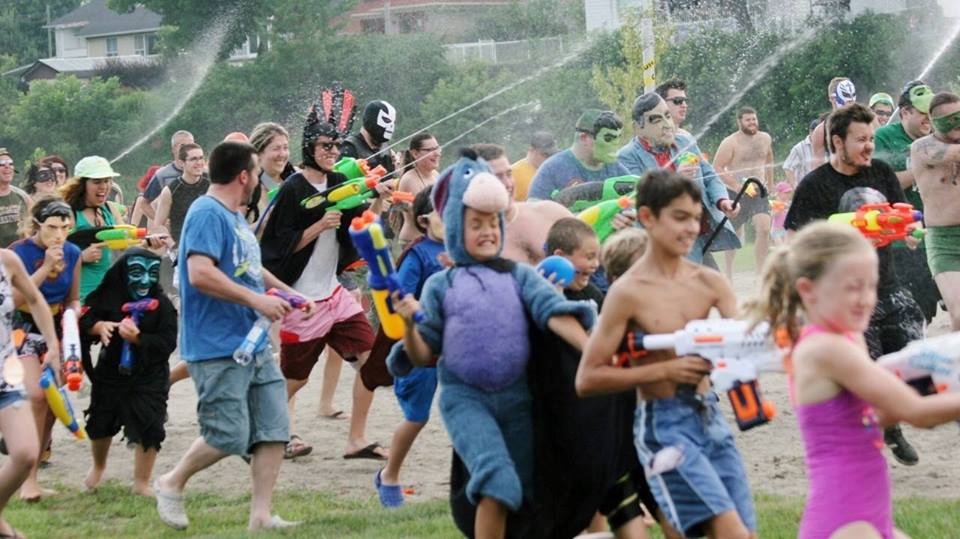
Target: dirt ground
{"points": [[773, 452]]}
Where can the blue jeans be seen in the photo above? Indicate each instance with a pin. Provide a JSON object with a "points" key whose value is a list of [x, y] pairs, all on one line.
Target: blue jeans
{"points": [[493, 434], [711, 478]]}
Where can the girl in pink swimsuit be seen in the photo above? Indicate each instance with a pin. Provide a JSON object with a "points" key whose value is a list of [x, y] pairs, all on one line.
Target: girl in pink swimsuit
{"points": [[830, 272]]}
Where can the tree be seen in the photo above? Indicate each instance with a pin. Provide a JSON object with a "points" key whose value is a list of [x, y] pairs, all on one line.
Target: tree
{"points": [[22, 34], [530, 19]]}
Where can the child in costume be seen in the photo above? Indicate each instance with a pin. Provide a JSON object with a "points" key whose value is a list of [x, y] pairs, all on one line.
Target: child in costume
{"points": [[830, 272], [414, 391], [706, 492], [136, 400], [485, 403]]}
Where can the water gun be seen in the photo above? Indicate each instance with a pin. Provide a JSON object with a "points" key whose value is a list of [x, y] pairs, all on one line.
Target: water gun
{"points": [[59, 403], [585, 195], [71, 351], [935, 358], [777, 206], [135, 309], [402, 197], [688, 158], [883, 223], [367, 235], [117, 237], [260, 330], [736, 352], [600, 217], [359, 187]]}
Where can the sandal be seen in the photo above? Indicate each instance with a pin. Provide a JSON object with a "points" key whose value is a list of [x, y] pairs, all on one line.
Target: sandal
{"points": [[296, 448], [390, 495]]}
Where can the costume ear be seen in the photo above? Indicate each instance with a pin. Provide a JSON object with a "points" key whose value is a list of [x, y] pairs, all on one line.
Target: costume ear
{"points": [[441, 189], [339, 108]]}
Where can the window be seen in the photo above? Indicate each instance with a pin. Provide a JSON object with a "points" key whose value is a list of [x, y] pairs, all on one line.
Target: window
{"points": [[112, 46], [151, 43], [410, 23], [140, 45], [372, 26]]}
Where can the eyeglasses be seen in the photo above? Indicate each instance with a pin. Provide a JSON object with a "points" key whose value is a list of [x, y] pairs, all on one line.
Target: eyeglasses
{"points": [[679, 100], [44, 176], [6, 162], [56, 208], [328, 146], [884, 113], [59, 170]]}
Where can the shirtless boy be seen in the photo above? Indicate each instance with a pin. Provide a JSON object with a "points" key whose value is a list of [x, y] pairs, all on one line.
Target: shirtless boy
{"points": [[746, 153], [935, 163], [660, 293]]}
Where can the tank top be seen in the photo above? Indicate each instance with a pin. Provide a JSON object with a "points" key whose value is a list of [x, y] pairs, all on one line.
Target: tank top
{"points": [[846, 469], [91, 273], [182, 194], [6, 328]]}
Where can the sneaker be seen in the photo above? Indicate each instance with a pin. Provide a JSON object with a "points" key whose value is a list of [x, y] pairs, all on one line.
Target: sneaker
{"points": [[901, 448]]}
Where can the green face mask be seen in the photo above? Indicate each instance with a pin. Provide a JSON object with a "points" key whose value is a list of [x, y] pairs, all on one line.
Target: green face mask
{"points": [[946, 124], [606, 143], [142, 274]]}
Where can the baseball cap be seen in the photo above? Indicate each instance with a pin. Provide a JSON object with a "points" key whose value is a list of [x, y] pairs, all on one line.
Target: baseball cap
{"points": [[881, 97], [94, 166], [918, 95], [544, 142]]}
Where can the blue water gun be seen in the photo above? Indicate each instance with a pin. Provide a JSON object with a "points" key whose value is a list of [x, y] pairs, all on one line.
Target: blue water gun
{"points": [[135, 309]]}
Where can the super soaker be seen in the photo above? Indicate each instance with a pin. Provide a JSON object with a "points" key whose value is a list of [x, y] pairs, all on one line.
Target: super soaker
{"points": [[59, 403], [883, 223], [367, 235], [359, 187], [688, 158], [71, 351], [600, 217]]}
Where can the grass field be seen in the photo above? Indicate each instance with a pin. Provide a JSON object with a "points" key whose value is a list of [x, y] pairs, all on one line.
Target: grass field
{"points": [[111, 512]]}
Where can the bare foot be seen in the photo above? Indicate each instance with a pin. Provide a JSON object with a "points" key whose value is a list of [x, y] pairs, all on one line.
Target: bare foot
{"points": [[143, 490], [6, 530], [34, 493], [93, 480]]}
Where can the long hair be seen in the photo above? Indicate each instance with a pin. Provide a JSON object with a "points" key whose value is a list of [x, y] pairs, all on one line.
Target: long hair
{"points": [[74, 192], [809, 254], [416, 143]]}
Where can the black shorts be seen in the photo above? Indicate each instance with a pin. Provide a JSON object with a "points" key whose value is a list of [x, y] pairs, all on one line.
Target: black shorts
{"points": [[749, 206], [141, 413]]}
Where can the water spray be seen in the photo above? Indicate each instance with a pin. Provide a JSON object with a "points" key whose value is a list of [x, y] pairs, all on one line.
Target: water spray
{"points": [[895, 117]]}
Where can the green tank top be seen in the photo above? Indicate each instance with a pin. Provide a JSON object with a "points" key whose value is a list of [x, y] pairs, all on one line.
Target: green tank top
{"points": [[91, 273]]}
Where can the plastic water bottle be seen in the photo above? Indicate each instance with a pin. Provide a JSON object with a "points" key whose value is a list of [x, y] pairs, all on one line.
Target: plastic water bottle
{"points": [[254, 339]]}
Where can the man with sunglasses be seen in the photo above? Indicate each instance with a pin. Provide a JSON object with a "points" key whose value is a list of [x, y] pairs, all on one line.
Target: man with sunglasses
{"points": [[893, 146], [674, 93], [592, 158], [13, 201], [882, 105]]}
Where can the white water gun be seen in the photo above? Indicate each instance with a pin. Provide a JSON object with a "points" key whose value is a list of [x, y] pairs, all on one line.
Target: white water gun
{"points": [[737, 354], [937, 358]]}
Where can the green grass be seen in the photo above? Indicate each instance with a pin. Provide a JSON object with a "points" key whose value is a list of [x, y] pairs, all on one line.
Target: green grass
{"points": [[112, 512]]}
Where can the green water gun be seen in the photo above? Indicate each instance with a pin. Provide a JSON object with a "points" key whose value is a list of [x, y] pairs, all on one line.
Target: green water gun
{"points": [[359, 187], [600, 216], [585, 195]]}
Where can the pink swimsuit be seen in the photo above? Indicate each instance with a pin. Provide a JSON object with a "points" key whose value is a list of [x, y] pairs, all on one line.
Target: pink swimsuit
{"points": [[846, 469]]}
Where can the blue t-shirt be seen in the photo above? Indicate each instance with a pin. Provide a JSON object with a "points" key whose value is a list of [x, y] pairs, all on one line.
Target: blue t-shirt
{"points": [[56, 290], [418, 264], [212, 328], [564, 170]]}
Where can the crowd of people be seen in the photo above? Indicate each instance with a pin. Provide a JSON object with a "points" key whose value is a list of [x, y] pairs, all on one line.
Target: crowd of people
{"points": [[551, 437]]}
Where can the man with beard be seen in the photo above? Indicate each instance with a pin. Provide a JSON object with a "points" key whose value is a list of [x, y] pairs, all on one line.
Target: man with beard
{"points": [[935, 165], [744, 154], [592, 158], [893, 146], [658, 145], [851, 178], [379, 121]]}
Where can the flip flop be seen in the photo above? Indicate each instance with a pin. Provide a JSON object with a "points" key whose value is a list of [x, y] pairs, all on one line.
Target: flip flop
{"points": [[170, 508], [390, 495], [369, 452], [296, 448]]}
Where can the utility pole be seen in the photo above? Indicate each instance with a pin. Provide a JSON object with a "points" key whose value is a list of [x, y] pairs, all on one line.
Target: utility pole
{"points": [[649, 46], [49, 34]]}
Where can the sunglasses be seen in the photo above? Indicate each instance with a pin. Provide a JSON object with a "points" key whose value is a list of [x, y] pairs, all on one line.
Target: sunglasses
{"points": [[6, 162], [883, 113], [679, 100], [328, 146], [55, 209]]}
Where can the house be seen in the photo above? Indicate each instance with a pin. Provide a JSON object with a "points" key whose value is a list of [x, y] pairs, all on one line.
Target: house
{"points": [[447, 18], [93, 30]]}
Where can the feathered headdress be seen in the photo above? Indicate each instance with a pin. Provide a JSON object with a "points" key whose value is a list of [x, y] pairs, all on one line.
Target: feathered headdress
{"points": [[331, 115]]}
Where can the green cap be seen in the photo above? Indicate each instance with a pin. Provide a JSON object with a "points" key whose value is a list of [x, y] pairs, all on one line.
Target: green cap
{"points": [[94, 166], [882, 98], [920, 97]]}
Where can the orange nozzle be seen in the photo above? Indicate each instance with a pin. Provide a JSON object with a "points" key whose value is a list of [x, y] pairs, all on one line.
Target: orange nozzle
{"points": [[357, 223], [769, 409], [624, 202]]}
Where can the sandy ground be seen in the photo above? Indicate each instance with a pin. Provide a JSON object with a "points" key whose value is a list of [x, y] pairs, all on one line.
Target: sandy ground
{"points": [[773, 452]]}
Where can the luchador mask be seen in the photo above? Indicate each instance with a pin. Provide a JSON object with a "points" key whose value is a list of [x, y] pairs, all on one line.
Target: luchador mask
{"points": [[379, 119], [606, 143], [657, 126], [845, 93], [142, 275]]}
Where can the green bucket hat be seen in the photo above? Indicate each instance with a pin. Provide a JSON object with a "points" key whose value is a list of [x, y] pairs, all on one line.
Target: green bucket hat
{"points": [[94, 166]]}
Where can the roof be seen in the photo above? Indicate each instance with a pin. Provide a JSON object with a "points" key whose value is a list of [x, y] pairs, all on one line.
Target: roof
{"points": [[96, 19], [371, 7], [82, 67]]}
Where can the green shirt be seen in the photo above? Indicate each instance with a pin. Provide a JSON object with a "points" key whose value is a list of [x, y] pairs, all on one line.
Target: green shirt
{"points": [[893, 146]]}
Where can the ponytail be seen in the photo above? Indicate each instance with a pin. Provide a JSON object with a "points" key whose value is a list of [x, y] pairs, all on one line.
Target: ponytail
{"points": [[778, 301]]}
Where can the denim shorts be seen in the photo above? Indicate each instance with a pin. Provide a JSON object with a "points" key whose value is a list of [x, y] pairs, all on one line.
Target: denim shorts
{"points": [[11, 396], [239, 406], [415, 393], [710, 479]]}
